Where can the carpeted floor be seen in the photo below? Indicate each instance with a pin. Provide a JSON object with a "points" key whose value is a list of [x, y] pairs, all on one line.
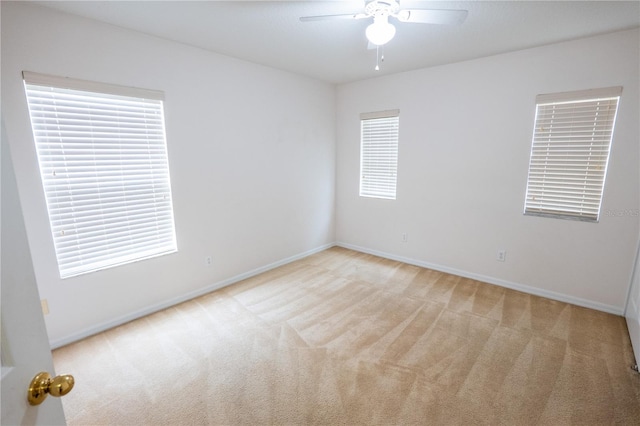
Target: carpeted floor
{"points": [[343, 337]]}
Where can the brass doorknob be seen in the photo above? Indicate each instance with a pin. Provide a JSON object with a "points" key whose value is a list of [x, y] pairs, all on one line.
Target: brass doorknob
{"points": [[43, 384]]}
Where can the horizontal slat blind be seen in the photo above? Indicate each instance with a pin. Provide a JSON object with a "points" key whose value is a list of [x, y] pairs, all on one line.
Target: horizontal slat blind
{"points": [[104, 168], [379, 154], [569, 156]]}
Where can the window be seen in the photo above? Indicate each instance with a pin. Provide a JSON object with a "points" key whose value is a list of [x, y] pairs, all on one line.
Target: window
{"points": [[104, 168], [379, 154], [569, 153]]}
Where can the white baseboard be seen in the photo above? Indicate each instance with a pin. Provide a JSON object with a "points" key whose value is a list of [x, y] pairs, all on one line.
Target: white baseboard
{"points": [[57, 343], [90, 331], [491, 280]]}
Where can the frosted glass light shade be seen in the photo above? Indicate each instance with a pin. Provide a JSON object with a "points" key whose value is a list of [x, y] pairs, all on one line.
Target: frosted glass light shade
{"points": [[381, 31]]}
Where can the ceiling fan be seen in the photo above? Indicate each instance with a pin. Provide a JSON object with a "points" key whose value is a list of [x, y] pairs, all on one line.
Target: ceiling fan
{"points": [[381, 31]]}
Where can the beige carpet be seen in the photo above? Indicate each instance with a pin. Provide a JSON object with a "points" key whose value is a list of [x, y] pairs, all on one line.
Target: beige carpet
{"points": [[347, 338]]}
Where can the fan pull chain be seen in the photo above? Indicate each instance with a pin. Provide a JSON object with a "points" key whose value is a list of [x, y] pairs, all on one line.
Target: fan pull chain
{"points": [[379, 57]]}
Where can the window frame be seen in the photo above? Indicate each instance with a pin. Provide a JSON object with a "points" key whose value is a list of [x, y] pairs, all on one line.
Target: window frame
{"points": [[567, 164], [103, 159], [386, 157]]}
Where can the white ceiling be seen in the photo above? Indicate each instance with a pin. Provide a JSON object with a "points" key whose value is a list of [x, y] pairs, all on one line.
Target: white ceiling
{"points": [[270, 33]]}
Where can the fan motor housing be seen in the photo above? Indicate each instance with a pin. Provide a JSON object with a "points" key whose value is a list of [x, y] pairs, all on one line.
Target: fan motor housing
{"points": [[381, 7]]}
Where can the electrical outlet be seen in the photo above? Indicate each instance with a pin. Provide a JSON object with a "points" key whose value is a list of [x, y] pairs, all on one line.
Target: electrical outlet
{"points": [[501, 256], [45, 306], [208, 260], [405, 237]]}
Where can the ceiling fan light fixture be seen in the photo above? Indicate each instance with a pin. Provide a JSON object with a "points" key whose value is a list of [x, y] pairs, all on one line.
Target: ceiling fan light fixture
{"points": [[381, 31]]}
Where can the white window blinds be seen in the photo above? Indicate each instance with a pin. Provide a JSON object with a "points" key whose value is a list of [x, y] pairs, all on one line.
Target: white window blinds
{"points": [[104, 168], [379, 154], [569, 153]]}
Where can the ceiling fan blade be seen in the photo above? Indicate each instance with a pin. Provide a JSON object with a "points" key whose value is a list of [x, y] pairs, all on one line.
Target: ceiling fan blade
{"points": [[333, 17], [433, 16]]}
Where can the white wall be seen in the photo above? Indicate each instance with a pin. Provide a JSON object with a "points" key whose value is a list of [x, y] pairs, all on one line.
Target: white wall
{"points": [[465, 138], [255, 195], [251, 155]]}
